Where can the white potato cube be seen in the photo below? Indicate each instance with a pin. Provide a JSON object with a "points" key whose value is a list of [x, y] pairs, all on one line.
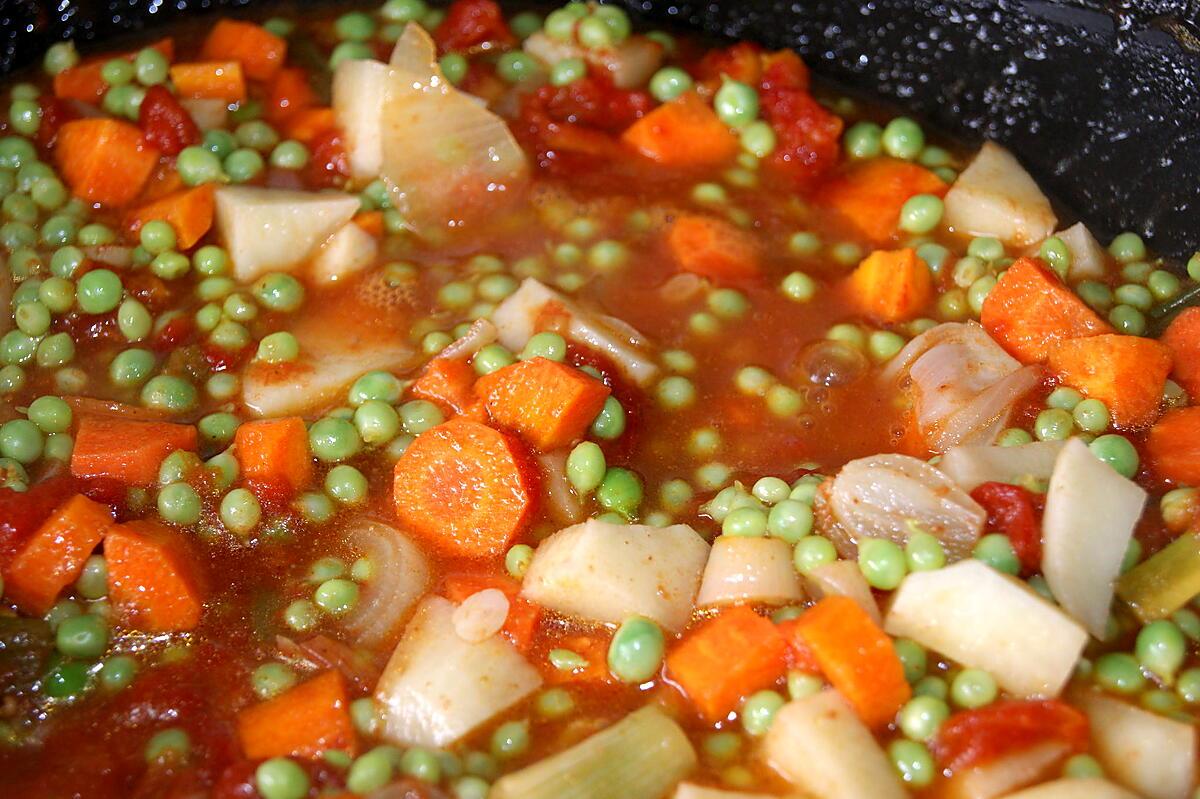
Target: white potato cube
{"points": [[743, 569], [995, 196]]}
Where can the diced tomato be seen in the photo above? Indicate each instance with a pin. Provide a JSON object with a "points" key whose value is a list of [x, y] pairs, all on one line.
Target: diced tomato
{"points": [[22, 512], [473, 24], [741, 62], [166, 124], [55, 113], [808, 135], [329, 165], [784, 69], [570, 127], [175, 333], [220, 359], [975, 737], [1011, 510]]}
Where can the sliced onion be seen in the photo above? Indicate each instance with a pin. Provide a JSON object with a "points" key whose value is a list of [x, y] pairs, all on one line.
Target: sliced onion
{"points": [[894, 496], [478, 336], [416, 54], [842, 578], [630, 64], [743, 569], [400, 575], [445, 157], [481, 615], [348, 251], [561, 501], [207, 113]]}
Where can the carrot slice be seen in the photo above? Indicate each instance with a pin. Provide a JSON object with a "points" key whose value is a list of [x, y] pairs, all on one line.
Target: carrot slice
{"points": [[870, 196], [726, 660], [290, 91], [857, 657], [210, 80], [1126, 372], [712, 247], [1173, 446], [304, 721], [53, 557], [523, 615], [891, 285], [1030, 310], [447, 383], [152, 580], [190, 213], [260, 52], [467, 489], [104, 160], [683, 132], [549, 404], [1182, 338], [124, 450], [274, 452]]}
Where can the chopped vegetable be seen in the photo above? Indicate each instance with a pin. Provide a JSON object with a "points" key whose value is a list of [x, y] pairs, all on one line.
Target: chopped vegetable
{"points": [[1074, 788], [400, 574], [995, 196], [126, 451], [1030, 311], [606, 572], [104, 160], [449, 383], [1164, 582], [842, 578], [274, 453], [1007, 772], [152, 578], [549, 404], [1126, 373], [1011, 512], [749, 570], [972, 466], [358, 85], [705, 245], [1182, 338], [260, 52], [684, 132], [1173, 446], [890, 286], [716, 683], [1088, 259], [350, 250], [976, 737], [465, 488], [520, 624], [869, 197], [304, 721], [210, 80], [189, 212]]}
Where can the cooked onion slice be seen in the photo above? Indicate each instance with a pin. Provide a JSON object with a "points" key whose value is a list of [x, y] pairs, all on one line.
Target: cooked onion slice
{"points": [[399, 577]]}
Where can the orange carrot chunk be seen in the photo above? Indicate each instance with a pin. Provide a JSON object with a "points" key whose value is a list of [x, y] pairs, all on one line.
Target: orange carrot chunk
{"points": [[1182, 338], [104, 160], [447, 383], [683, 132], [857, 657], [151, 578], [549, 404], [891, 285], [53, 558], [1173, 446], [124, 450], [307, 124], [467, 489], [210, 80], [1030, 310], [274, 452], [290, 91], [190, 213], [712, 247], [727, 659], [1126, 372], [523, 616], [84, 83], [260, 52], [304, 721], [870, 196]]}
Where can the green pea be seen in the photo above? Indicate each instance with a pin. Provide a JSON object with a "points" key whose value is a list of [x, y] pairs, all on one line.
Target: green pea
{"points": [[736, 103], [923, 552], [586, 467], [517, 560], [417, 416], [271, 679], [243, 165], [21, 440], [1117, 452], [567, 71], [240, 511], [66, 680], [134, 320], [55, 350], [1053, 424], [1127, 247], [1119, 672], [676, 392], [913, 657], [668, 83], [545, 345], [84, 636], [50, 414], [790, 520], [118, 672], [12, 379], [1127, 320], [771, 490], [300, 615], [333, 440], [813, 551], [620, 491], [371, 771], [99, 291], [1187, 686], [913, 762], [510, 740], [516, 66], [131, 367], [92, 582], [60, 56], [280, 778], [256, 135], [169, 393], [758, 712], [492, 358], [337, 596], [17, 347], [1091, 416], [921, 213], [722, 746], [377, 422], [1161, 649], [378, 385], [95, 234], [179, 503], [157, 236], [280, 347], [973, 688], [1163, 285], [883, 345], [610, 422], [799, 287], [637, 649], [804, 243], [454, 66], [903, 138], [57, 294], [882, 563], [921, 717], [745, 522], [346, 484], [996, 551], [197, 165]]}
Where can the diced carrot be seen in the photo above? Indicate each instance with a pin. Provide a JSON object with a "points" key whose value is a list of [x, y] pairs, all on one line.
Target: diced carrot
{"points": [[857, 657], [83, 407], [683, 132], [891, 285], [869, 196], [370, 221], [549, 404], [104, 160], [712, 247], [1182, 338], [593, 648], [1126, 372], [290, 91], [274, 452], [260, 52], [466, 489], [189, 211], [152, 579], [1029, 310], [210, 80], [799, 656], [1173, 446], [23, 512], [304, 721], [727, 659], [53, 558], [126, 451], [523, 615], [83, 83], [447, 383], [307, 124]]}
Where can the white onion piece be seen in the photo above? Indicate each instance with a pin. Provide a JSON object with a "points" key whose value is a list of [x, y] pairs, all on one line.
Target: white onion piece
{"points": [[534, 307], [481, 615], [416, 54], [630, 64], [1088, 258], [893, 496], [842, 578], [207, 113], [743, 569], [1074, 788], [400, 575], [359, 86], [445, 157], [348, 251], [995, 196], [1006, 773], [972, 466], [479, 335], [563, 504]]}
